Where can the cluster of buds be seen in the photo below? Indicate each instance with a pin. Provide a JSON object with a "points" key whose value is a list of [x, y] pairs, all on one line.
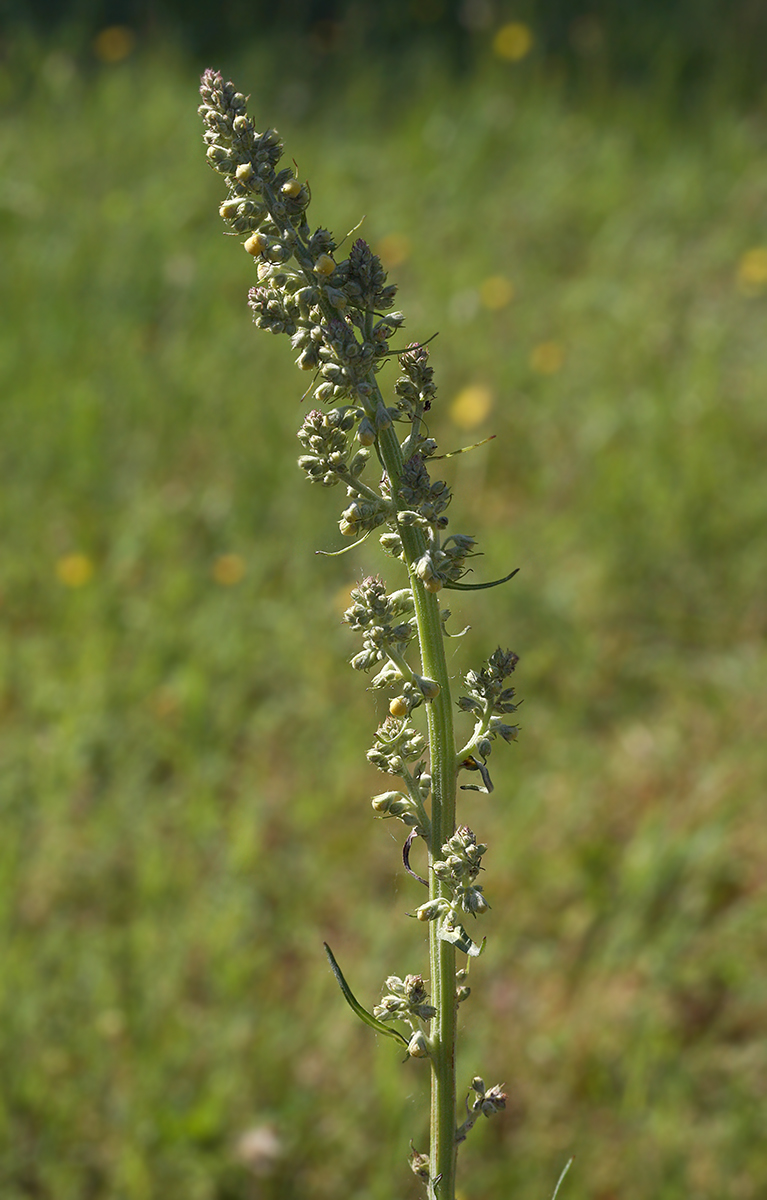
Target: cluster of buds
{"points": [[302, 291], [385, 638], [334, 313], [415, 388], [405, 1000], [459, 867], [486, 691], [487, 1102], [378, 616], [409, 809], [325, 437], [490, 702], [396, 744]]}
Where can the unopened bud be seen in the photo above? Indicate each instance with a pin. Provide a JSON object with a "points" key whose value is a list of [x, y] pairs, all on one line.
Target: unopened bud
{"points": [[431, 910], [229, 209], [244, 172], [418, 1047], [324, 265], [419, 1164], [429, 688], [256, 244], [366, 433]]}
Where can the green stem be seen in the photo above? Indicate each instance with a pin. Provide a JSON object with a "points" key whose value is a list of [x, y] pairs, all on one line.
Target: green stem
{"points": [[442, 1151]]}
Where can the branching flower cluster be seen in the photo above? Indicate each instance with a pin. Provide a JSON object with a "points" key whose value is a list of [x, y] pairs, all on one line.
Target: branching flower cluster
{"points": [[336, 311]]}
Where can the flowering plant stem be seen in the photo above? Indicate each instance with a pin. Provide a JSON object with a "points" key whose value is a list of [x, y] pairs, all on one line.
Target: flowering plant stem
{"points": [[333, 312]]}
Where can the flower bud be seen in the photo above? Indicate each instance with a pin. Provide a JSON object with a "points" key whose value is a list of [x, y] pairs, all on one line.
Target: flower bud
{"points": [[429, 688], [366, 434], [419, 1164], [431, 910], [229, 209], [324, 265], [256, 244], [383, 802], [474, 902], [418, 1047], [277, 253], [291, 188], [219, 158], [244, 172], [399, 707]]}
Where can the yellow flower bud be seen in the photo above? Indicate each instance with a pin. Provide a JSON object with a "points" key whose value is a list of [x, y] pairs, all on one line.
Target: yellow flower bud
{"points": [[256, 244], [244, 172], [398, 707], [228, 210], [324, 265], [291, 188]]}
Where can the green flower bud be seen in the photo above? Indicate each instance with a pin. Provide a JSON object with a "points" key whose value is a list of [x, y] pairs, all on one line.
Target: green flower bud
{"points": [[432, 909], [366, 434], [418, 1047], [419, 1165], [383, 802], [429, 687]]}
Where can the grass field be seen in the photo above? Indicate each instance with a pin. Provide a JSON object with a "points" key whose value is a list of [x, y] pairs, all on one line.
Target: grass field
{"points": [[183, 786]]}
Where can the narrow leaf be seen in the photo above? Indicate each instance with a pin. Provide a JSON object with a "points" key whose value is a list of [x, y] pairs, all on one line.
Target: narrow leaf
{"points": [[355, 1005], [477, 587]]}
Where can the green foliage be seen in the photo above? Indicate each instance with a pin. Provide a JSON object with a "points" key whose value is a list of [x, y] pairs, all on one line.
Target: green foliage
{"points": [[173, 710]]}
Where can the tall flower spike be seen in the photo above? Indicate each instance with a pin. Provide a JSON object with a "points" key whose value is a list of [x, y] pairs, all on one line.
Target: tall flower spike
{"points": [[336, 313]]}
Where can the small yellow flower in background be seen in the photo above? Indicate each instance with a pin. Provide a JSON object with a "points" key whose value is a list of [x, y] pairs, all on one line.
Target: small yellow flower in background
{"points": [[393, 250], [496, 292], [74, 570], [547, 358], [471, 406], [513, 41], [228, 569], [752, 271], [114, 43]]}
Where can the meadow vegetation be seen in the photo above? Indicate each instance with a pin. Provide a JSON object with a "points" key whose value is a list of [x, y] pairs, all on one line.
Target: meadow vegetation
{"points": [[183, 787]]}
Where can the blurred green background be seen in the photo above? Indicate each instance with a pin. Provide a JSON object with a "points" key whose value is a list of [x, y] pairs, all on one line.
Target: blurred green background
{"points": [[575, 197]]}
